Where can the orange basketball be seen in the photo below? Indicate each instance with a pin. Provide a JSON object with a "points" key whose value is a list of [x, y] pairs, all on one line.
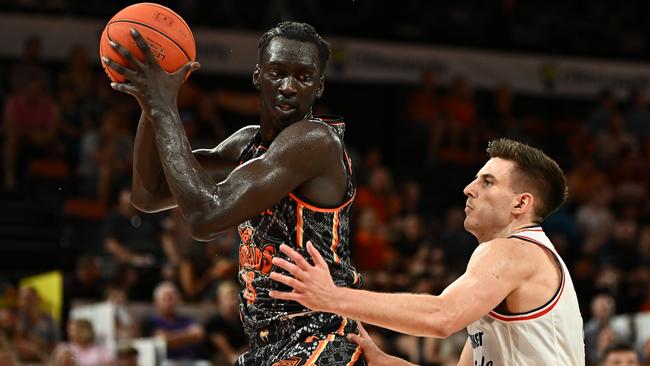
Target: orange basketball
{"points": [[168, 36]]}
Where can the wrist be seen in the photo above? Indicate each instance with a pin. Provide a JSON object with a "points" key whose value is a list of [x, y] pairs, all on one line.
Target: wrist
{"points": [[336, 303], [157, 111]]}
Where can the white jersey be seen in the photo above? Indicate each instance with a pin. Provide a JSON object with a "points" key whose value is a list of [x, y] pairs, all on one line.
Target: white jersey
{"points": [[549, 335]]}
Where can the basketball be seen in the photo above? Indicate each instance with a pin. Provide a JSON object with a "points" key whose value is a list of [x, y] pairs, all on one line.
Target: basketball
{"points": [[169, 37]]}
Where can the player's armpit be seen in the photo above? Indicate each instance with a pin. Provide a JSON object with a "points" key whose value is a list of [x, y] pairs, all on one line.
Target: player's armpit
{"points": [[493, 272]]}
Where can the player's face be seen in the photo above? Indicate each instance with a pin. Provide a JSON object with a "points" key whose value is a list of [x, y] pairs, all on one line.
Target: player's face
{"points": [[622, 358], [490, 198], [289, 80]]}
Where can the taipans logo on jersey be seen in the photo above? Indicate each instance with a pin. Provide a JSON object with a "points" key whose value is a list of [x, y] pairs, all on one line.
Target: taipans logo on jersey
{"points": [[476, 339], [293, 361], [253, 260], [246, 234]]}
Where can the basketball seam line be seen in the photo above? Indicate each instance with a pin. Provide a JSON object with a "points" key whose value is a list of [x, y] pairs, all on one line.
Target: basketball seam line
{"points": [[152, 28]]}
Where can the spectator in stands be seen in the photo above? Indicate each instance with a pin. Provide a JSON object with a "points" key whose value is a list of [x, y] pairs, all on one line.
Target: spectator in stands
{"points": [[135, 239], [78, 74], [409, 237], [126, 326], [183, 336], [36, 331], [598, 118], [459, 104], [637, 119], [603, 308], [645, 353], [456, 242], [620, 354], [423, 105], [82, 343], [30, 66], [613, 141], [62, 356], [457, 139], [127, 356], [225, 333], [7, 329], [372, 249], [585, 181], [594, 217], [73, 121], [204, 266], [210, 129], [31, 126], [86, 282], [500, 117], [378, 196], [113, 154]]}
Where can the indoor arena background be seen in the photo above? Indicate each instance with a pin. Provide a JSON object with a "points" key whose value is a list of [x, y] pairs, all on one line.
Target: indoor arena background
{"points": [[422, 85]]}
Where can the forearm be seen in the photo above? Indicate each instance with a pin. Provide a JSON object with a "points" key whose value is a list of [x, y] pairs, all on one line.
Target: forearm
{"points": [[191, 186], [150, 191], [415, 314]]}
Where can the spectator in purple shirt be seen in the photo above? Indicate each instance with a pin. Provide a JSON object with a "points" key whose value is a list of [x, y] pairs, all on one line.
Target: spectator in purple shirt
{"points": [[182, 334]]}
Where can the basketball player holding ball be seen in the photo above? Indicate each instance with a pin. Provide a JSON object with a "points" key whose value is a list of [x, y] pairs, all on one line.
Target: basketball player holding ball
{"points": [[286, 180]]}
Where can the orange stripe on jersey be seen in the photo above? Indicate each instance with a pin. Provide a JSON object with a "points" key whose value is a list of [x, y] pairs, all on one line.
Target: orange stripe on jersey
{"points": [[355, 356], [335, 236], [321, 347], [319, 209], [347, 159], [299, 225], [344, 322]]}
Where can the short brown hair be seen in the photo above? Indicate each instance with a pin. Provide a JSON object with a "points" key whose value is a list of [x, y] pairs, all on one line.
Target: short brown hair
{"points": [[536, 171]]}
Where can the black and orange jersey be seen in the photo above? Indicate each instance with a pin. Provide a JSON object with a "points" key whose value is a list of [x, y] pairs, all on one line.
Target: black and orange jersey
{"points": [[292, 221]]}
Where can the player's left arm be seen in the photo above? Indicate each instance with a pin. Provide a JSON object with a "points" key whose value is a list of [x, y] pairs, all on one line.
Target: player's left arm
{"points": [[494, 270]]}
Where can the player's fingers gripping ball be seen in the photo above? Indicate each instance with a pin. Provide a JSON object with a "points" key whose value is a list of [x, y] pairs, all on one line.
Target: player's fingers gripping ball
{"points": [[168, 36]]}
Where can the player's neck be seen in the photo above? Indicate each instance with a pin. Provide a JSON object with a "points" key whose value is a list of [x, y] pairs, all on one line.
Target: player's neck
{"points": [[508, 230]]}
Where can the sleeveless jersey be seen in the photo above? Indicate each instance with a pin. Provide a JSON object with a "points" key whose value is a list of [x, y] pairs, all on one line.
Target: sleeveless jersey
{"points": [[292, 221], [549, 335]]}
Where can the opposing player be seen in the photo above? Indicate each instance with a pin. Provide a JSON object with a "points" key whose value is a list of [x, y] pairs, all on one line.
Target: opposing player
{"points": [[516, 297], [287, 180]]}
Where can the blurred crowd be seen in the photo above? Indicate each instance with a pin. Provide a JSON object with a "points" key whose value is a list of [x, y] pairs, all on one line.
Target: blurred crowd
{"points": [[64, 127], [590, 28]]}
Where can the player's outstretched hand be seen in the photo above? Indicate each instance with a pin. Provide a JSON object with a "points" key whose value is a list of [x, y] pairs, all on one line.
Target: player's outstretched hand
{"points": [[371, 353], [312, 285], [154, 88]]}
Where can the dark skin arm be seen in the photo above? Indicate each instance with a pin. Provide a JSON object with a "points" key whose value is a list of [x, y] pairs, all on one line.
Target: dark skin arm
{"points": [[150, 191], [305, 156]]}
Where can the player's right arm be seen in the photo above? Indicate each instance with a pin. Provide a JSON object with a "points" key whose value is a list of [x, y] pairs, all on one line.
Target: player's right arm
{"points": [[150, 191]]}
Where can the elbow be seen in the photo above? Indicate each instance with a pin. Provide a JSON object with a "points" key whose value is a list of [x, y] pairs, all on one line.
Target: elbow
{"points": [[147, 203], [201, 230], [443, 325], [143, 205]]}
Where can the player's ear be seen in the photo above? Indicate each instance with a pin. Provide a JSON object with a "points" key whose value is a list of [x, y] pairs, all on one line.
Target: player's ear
{"points": [[256, 77], [321, 87], [523, 203]]}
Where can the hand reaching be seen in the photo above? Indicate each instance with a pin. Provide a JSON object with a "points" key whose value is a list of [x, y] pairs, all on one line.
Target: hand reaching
{"points": [[312, 286], [154, 88], [371, 353]]}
